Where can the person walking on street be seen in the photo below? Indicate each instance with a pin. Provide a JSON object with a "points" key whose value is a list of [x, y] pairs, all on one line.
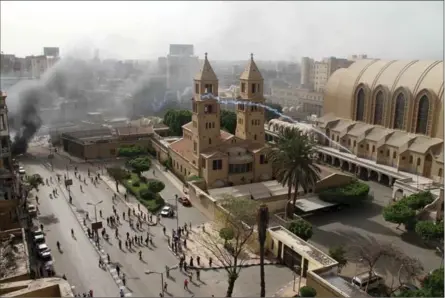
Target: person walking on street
{"points": [[165, 286], [118, 270], [198, 260], [108, 259], [198, 274], [186, 284], [124, 280]]}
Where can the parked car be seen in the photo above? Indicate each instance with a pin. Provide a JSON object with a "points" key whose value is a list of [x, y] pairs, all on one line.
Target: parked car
{"points": [[38, 236], [362, 281], [184, 201], [22, 171], [167, 211], [41, 249], [32, 210]]}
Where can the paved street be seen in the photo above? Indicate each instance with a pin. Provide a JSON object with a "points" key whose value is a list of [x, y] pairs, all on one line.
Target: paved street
{"points": [[355, 225], [77, 254], [156, 257]]}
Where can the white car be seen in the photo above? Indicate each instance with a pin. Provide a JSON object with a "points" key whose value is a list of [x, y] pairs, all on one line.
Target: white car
{"points": [[32, 209], [42, 248], [22, 171], [167, 211], [38, 236]]}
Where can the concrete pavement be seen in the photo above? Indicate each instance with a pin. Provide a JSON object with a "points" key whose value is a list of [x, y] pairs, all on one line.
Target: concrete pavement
{"points": [[77, 254]]}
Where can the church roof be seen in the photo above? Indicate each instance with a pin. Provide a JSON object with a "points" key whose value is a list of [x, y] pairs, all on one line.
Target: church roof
{"points": [[251, 72], [206, 72]]}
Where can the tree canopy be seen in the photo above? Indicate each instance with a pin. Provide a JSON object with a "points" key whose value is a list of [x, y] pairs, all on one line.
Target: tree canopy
{"points": [[131, 151], [228, 121], [301, 228], [34, 181], [175, 119], [156, 186], [140, 164]]}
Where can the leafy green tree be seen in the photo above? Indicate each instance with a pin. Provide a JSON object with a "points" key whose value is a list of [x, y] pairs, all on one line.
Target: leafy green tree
{"points": [[140, 164], [131, 151], [430, 231], [156, 186], [262, 223], [419, 200], [338, 253], [34, 181], [308, 291], [228, 121], [175, 119], [118, 174], [227, 234], [301, 228], [147, 194], [432, 286], [399, 213], [350, 194], [273, 115], [292, 157]]}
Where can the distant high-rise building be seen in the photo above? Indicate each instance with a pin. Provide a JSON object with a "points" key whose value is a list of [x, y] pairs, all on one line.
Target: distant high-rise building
{"points": [[51, 51], [40, 64], [162, 65], [8, 183], [315, 74], [182, 65]]}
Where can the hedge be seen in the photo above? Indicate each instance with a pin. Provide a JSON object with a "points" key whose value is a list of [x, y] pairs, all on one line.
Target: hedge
{"points": [[418, 200], [308, 291], [352, 193], [139, 189]]}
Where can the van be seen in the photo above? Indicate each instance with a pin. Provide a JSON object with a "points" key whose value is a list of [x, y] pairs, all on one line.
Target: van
{"points": [[362, 281]]}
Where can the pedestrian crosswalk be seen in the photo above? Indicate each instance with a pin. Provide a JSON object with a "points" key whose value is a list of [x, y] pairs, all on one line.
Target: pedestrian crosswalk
{"points": [[102, 254]]}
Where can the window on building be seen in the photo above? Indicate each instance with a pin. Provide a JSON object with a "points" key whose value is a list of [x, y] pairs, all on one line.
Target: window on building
{"points": [[399, 112], [208, 88], [349, 142], [373, 148], [197, 88], [207, 125], [253, 88], [208, 109], [367, 146], [240, 168], [338, 138], [2, 122], [360, 105], [411, 158], [240, 107], [217, 164], [213, 124], [422, 115], [210, 141], [243, 87], [263, 159], [394, 155], [378, 110], [418, 161], [387, 152], [254, 137], [355, 143], [203, 162], [195, 147]]}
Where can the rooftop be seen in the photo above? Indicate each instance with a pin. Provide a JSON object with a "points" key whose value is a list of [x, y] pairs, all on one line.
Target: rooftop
{"points": [[342, 285], [257, 191], [311, 203], [47, 287], [183, 147], [134, 130], [306, 249], [13, 254]]}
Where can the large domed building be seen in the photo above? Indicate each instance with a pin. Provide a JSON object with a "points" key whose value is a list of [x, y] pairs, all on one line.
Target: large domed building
{"points": [[390, 112]]}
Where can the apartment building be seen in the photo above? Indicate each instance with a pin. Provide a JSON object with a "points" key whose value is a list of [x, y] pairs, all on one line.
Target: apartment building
{"points": [[40, 64], [298, 103], [7, 179], [315, 74], [182, 65]]}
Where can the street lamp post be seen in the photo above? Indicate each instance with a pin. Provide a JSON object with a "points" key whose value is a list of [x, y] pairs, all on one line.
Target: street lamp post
{"points": [[95, 210], [162, 276], [177, 212]]}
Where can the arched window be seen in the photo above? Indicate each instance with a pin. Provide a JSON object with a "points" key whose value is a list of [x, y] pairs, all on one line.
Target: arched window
{"points": [[378, 110], [360, 105], [399, 112], [422, 115]]}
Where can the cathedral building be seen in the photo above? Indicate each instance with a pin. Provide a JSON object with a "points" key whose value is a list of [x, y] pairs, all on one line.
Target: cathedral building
{"points": [[388, 112], [220, 158]]}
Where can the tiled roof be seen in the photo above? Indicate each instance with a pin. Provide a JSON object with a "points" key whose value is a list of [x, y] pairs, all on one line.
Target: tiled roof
{"points": [[359, 129], [423, 143], [225, 135], [188, 126], [398, 139], [184, 148], [377, 133]]}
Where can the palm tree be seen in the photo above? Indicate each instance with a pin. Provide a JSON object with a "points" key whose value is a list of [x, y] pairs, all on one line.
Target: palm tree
{"points": [[292, 157], [262, 223]]}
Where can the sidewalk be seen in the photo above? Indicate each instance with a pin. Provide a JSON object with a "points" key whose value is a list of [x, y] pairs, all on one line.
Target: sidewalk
{"points": [[196, 246], [288, 289]]}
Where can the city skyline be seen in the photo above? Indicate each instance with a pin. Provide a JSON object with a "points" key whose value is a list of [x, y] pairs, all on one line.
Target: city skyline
{"points": [[227, 30]]}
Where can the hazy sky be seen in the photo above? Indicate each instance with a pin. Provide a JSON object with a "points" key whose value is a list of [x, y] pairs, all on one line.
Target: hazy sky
{"points": [[227, 29]]}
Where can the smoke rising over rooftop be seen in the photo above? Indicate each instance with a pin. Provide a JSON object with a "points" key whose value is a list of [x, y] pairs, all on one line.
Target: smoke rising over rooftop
{"points": [[229, 30]]}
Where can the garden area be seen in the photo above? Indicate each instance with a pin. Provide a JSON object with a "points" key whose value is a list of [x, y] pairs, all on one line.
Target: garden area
{"points": [[145, 190], [405, 211], [353, 193]]}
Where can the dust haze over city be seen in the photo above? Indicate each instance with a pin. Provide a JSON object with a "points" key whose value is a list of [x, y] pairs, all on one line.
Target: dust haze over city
{"points": [[99, 46], [220, 137]]}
